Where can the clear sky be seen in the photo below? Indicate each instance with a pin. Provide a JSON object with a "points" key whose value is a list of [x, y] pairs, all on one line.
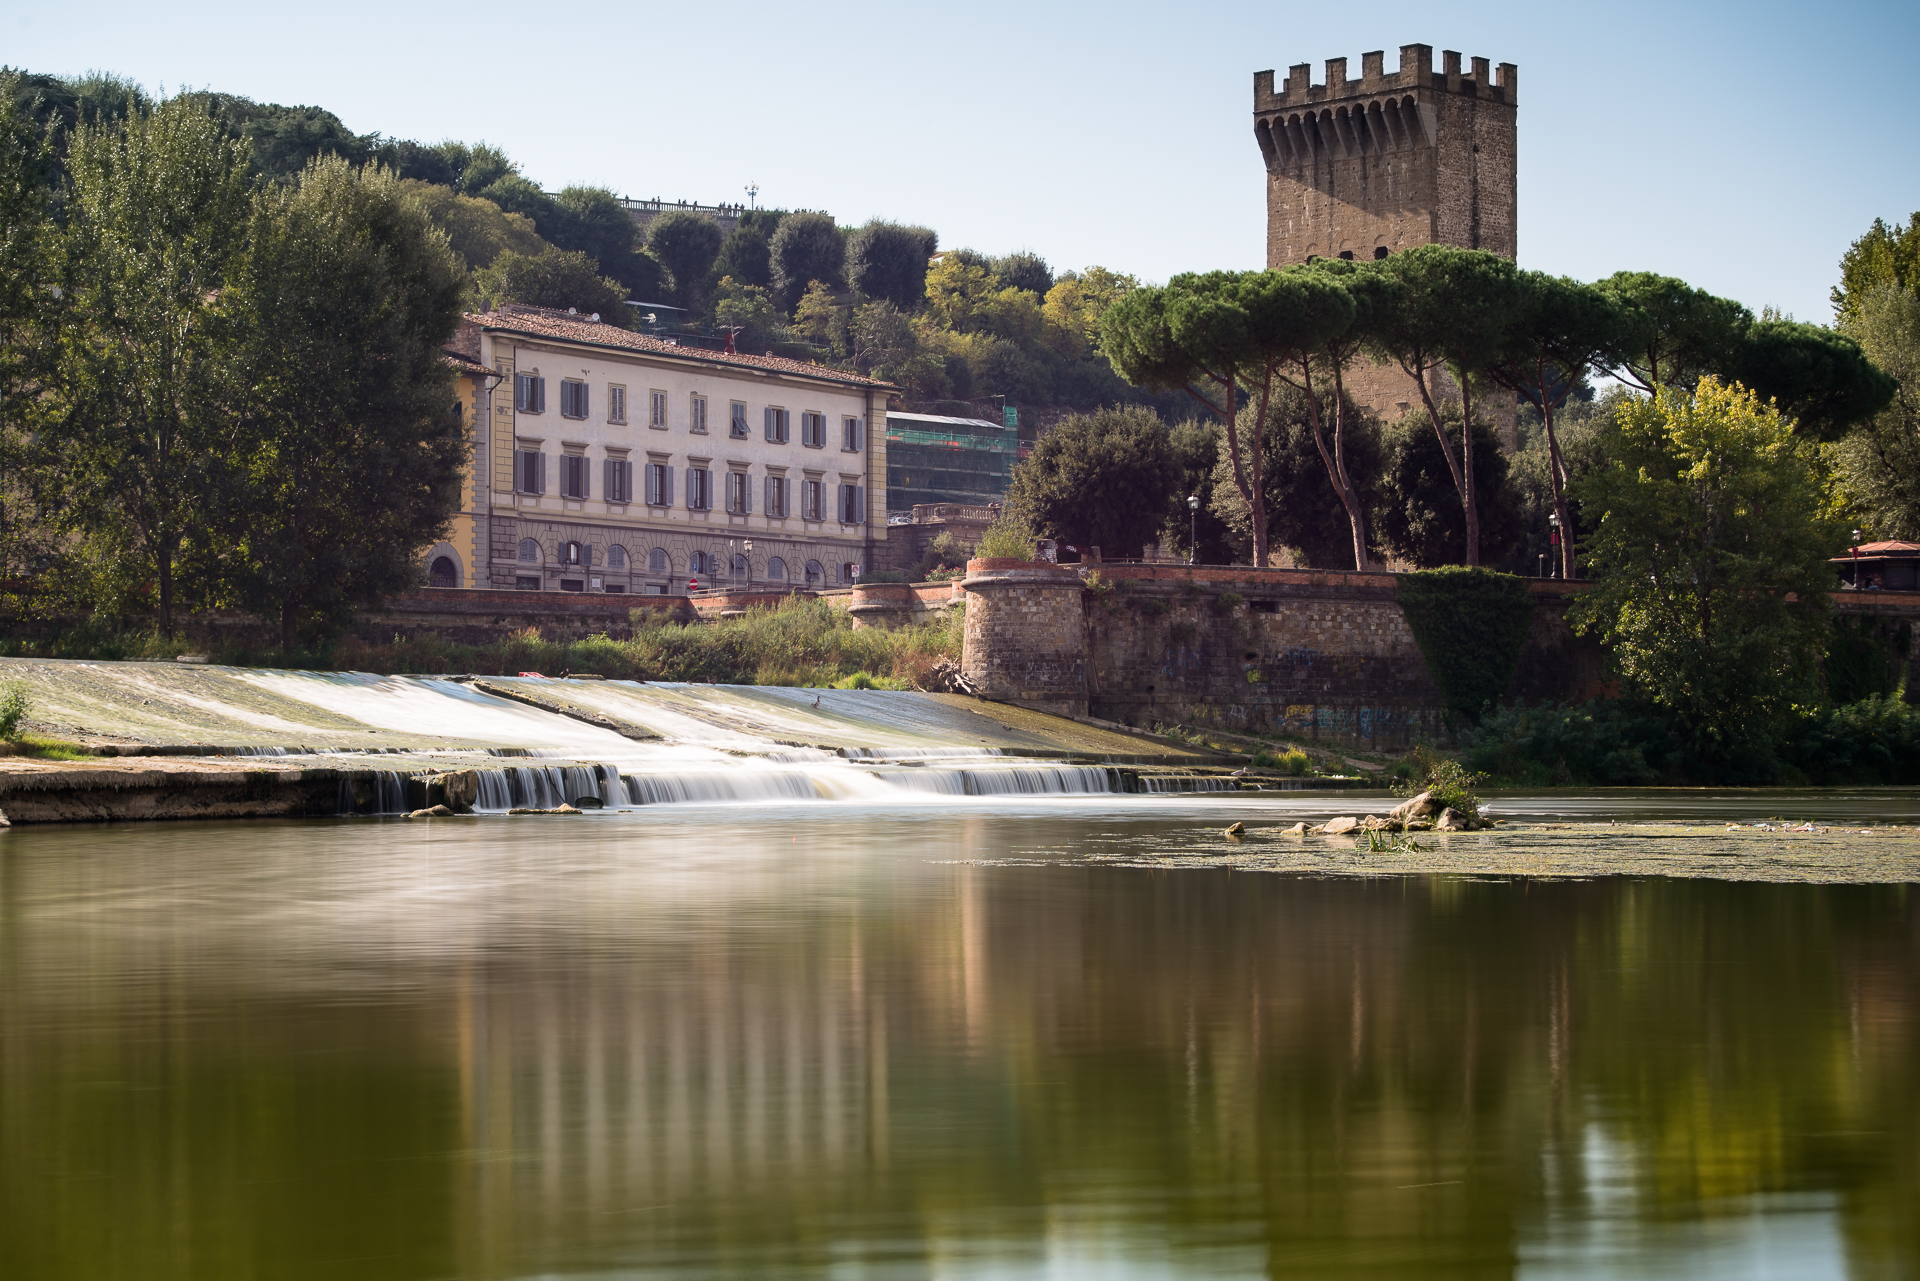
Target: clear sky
{"points": [[1741, 146]]}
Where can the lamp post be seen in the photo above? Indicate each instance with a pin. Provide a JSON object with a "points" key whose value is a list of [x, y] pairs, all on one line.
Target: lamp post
{"points": [[748, 544], [1193, 528], [1553, 541], [1856, 560]]}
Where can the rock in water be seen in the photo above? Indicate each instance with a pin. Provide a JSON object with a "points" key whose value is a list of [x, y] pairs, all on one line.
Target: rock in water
{"points": [[1419, 807], [1339, 826], [1452, 820], [1237, 829], [1298, 829]]}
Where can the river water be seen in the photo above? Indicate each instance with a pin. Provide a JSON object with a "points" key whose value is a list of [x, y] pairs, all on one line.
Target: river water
{"points": [[966, 1037]]}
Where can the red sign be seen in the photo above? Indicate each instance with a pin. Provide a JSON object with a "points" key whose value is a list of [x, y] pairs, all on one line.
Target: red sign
{"points": [[693, 584]]}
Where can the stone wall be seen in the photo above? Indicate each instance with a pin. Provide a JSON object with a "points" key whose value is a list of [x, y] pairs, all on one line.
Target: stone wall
{"points": [[1327, 657]]}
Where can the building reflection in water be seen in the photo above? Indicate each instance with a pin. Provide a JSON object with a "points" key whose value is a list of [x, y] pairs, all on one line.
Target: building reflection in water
{"points": [[864, 1058]]}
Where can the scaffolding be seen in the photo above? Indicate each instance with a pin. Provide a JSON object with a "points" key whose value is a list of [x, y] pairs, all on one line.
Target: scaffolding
{"points": [[935, 459]]}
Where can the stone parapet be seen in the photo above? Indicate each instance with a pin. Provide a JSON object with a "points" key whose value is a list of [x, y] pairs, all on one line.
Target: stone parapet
{"points": [[1024, 638]]}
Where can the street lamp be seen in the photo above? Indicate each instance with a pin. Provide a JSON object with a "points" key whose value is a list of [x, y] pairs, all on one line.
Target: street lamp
{"points": [[1193, 526], [1553, 541], [1856, 560], [749, 546]]}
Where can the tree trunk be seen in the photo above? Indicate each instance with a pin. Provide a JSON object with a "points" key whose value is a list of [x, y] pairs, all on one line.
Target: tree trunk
{"points": [[1355, 516], [1335, 460], [1557, 474], [164, 556], [1256, 507], [1468, 498]]}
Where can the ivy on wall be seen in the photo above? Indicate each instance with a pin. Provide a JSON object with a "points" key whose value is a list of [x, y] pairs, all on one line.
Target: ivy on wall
{"points": [[1470, 624]]}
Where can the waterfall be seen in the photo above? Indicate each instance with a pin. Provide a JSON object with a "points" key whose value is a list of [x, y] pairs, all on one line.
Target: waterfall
{"points": [[1187, 783]]}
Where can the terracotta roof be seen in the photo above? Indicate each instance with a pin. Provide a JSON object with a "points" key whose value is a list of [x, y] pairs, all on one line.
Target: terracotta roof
{"points": [[541, 322], [464, 363], [1891, 548]]}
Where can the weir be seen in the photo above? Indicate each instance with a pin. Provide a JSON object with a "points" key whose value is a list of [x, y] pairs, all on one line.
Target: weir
{"points": [[215, 741]]}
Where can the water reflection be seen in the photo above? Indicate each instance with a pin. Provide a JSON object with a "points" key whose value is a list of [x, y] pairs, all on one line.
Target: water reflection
{"points": [[838, 1044]]}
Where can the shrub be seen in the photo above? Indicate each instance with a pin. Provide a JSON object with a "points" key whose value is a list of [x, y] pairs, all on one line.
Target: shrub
{"points": [[1296, 762], [1008, 536], [1876, 740], [1451, 783], [1226, 602], [14, 706], [1607, 743]]}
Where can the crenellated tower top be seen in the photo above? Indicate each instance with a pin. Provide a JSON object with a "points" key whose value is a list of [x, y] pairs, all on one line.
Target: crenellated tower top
{"points": [[1415, 72]]}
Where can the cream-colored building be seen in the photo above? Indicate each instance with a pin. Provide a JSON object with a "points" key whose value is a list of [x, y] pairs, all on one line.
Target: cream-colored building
{"points": [[611, 461]]}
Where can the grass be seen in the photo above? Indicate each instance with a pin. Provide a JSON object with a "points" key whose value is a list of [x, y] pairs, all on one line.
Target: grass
{"points": [[802, 641], [50, 749]]}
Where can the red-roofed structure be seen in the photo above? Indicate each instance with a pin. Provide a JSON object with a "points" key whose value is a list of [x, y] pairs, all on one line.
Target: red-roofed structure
{"points": [[610, 461]]}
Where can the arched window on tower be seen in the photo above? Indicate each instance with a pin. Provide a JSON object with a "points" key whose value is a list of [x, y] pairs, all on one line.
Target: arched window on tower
{"points": [[1380, 251]]}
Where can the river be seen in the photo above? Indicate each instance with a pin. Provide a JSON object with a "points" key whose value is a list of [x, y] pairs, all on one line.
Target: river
{"points": [[966, 1037]]}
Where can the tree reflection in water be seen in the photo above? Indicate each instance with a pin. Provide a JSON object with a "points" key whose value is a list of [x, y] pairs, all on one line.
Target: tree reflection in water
{"points": [[274, 1050]]}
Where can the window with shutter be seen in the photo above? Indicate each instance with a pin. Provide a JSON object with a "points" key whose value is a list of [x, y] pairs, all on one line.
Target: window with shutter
{"points": [[657, 414], [539, 473], [850, 435], [616, 404], [529, 393], [697, 415], [573, 398], [738, 429]]}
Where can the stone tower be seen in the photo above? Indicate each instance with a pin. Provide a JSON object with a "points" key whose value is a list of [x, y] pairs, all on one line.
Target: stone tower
{"points": [[1361, 168]]}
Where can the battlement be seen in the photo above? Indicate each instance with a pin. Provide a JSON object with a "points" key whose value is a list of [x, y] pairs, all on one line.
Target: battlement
{"points": [[1415, 72]]}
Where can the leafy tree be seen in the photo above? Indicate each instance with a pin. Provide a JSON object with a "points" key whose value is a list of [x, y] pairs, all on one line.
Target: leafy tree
{"points": [[1303, 513], [285, 140], [806, 248], [819, 317], [477, 167], [1671, 334], [746, 257], [749, 310], [883, 344], [29, 262], [554, 278], [478, 230], [1580, 428], [345, 445], [686, 244], [1711, 564], [1098, 480], [30, 313], [957, 292], [1416, 506], [1820, 379], [1879, 461], [1075, 304], [518, 195], [1024, 270], [1196, 455], [156, 211], [1557, 330], [592, 221], [1884, 256], [1449, 308], [889, 261]]}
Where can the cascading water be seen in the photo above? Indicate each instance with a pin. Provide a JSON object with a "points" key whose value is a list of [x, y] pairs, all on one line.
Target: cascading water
{"points": [[1186, 783], [619, 743]]}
